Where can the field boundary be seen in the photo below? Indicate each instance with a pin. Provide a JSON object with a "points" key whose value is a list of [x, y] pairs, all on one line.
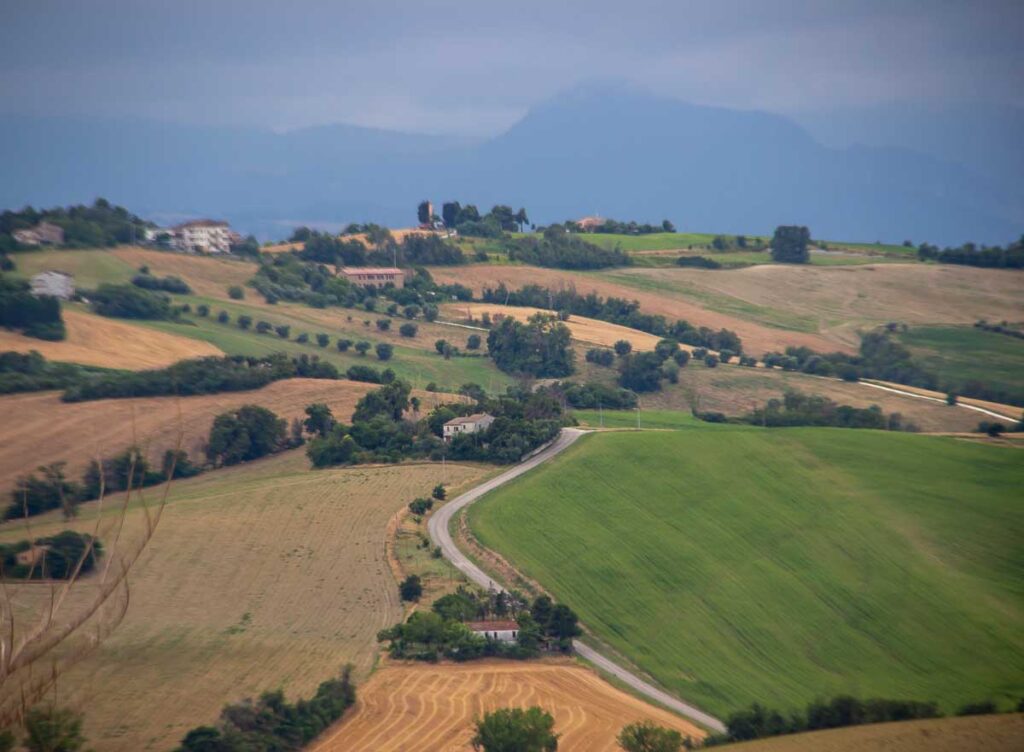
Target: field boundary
{"points": [[439, 533]]}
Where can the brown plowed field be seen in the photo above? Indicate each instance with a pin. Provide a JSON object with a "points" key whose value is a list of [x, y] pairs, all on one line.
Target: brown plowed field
{"points": [[588, 331], [430, 708], [260, 576], [38, 428], [774, 306], [110, 343], [991, 733]]}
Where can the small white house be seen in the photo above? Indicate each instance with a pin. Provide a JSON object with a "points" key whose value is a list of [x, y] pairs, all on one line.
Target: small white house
{"points": [[468, 424], [502, 631], [54, 283]]}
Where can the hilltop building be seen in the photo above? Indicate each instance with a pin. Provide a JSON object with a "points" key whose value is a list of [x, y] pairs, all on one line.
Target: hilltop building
{"points": [[589, 224], [202, 236], [44, 233], [502, 631], [377, 276], [476, 423], [54, 283]]}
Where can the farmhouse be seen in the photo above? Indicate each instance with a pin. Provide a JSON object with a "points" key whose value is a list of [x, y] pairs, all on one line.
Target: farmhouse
{"points": [[44, 233], [202, 236], [589, 224], [54, 283], [468, 424], [503, 631], [377, 276]]}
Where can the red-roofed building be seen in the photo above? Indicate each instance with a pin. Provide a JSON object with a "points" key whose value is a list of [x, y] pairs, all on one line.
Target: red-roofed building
{"points": [[373, 275]]}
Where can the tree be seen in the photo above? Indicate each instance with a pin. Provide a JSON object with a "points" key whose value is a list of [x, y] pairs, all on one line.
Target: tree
{"points": [[423, 212], [440, 346], [319, 419], [641, 372], [516, 730], [450, 213], [645, 736], [391, 401], [439, 492], [362, 347], [322, 339], [49, 729], [473, 342], [623, 347], [384, 351], [667, 226], [283, 330], [235, 292], [244, 434], [411, 588], [223, 317], [789, 244], [540, 347], [383, 324], [344, 345], [951, 399], [244, 322], [408, 329]]}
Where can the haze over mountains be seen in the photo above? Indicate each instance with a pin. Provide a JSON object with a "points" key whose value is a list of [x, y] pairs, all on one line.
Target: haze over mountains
{"points": [[594, 149]]}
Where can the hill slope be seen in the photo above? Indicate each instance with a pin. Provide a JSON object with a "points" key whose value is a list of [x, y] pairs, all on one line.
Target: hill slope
{"points": [[739, 565]]}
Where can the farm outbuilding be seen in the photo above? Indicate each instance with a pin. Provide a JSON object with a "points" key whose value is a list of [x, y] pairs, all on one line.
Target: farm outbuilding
{"points": [[500, 630]]}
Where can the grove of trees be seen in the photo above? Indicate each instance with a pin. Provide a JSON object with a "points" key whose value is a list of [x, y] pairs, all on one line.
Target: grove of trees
{"points": [[789, 244]]}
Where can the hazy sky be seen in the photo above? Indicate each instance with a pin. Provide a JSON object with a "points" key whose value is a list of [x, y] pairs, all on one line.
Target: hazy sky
{"points": [[474, 66]]}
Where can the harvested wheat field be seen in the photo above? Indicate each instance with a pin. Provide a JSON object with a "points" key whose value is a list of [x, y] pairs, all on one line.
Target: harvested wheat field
{"points": [[206, 275], [430, 708], [775, 306], [260, 576], [110, 343], [40, 429], [991, 733], [588, 331]]}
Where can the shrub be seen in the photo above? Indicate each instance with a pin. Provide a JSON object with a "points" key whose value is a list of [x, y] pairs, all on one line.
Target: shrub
{"points": [[710, 361], [439, 492], [384, 351], [203, 310], [411, 311], [322, 339], [508, 729], [344, 345], [362, 347], [681, 357], [408, 329], [472, 342], [645, 736], [283, 330], [235, 292], [223, 317], [244, 322], [263, 327], [303, 338], [411, 588], [623, 347], [421, 506], [600, 356], [383, 324], [244, 434], [130, 302]]}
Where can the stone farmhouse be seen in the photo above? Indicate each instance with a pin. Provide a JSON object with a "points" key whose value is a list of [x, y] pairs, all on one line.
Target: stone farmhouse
{"points": [[44, 233], [372, 275], [477, 422]]}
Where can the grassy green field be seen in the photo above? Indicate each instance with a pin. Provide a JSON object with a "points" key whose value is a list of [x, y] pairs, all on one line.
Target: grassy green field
{"points": [[736, 564], [89, 267], [667, 419], [959, 354]]}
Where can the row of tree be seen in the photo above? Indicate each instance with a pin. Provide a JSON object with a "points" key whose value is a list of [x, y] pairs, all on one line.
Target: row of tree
{"points": [[798, 409], [101, 224], [52, 557], [971, 254]]}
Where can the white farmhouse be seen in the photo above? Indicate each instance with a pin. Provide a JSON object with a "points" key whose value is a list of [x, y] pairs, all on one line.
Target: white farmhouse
{"points": [[202, 236], [54, 283], [477, 422], [502, 631]]}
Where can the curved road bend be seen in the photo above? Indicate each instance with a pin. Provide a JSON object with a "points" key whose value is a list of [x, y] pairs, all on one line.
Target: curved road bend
{"points": [[438, 528]]}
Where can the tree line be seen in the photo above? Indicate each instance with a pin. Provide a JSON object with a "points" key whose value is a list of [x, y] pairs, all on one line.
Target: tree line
{"points": [[95, 226], [33, 316], [798, 409], [970, 254], [53, 557]]}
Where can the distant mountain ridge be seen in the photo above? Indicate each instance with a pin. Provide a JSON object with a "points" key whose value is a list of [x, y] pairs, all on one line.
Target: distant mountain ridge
{"points": [[617, 152]]}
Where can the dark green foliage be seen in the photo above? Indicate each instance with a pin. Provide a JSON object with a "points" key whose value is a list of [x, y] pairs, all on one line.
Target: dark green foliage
{"points": [[247, 247], [223, 317], [165, 284], [600, 356], [235, 292], [421, 506], [985, 707], [439, 492], [33, 495], [264, 327], [789, 244], [50, 729], [319, 419], [539, 347], [681, 357], [710, 361], [390, 401], [244, 321], [31, 372], [411, 311], [302, 338], [411, 588], [37, 317], [384, 350], [64, 553], [408, 330], [698, 262], [101, 224], [516, 730], [623, 347], [336, 448], [271, 724], [203, 310], [615, 227], [322, 339], [207, 375], [615, 311], [176, 464], [561, 250], [248, 433], [641, 372], [362, 347], [130, 302], [366, 374], [593, 395], [282, 330], [646, 736], [472, 342], [344, 345], [970, 254], [383, 324], [797, 409]]}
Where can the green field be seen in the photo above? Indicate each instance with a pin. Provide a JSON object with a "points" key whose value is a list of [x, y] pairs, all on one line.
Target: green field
{"points": [[89, 267], [738, 564], [959, 354]]}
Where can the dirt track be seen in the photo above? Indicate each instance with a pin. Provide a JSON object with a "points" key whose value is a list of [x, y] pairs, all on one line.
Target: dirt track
{"points": [[430, 708]]}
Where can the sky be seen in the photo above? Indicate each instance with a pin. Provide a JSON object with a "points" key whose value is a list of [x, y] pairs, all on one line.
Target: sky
{"points": [[475, 68]]}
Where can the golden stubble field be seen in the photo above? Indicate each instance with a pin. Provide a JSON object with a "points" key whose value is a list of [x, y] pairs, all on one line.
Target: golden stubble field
{"points": [[109, 343], [774, 306], [431, 708], [260, 576], [38, 428]]}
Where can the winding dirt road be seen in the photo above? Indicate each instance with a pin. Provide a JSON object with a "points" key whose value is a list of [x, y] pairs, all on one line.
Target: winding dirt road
{"points": [[438, 528]]}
